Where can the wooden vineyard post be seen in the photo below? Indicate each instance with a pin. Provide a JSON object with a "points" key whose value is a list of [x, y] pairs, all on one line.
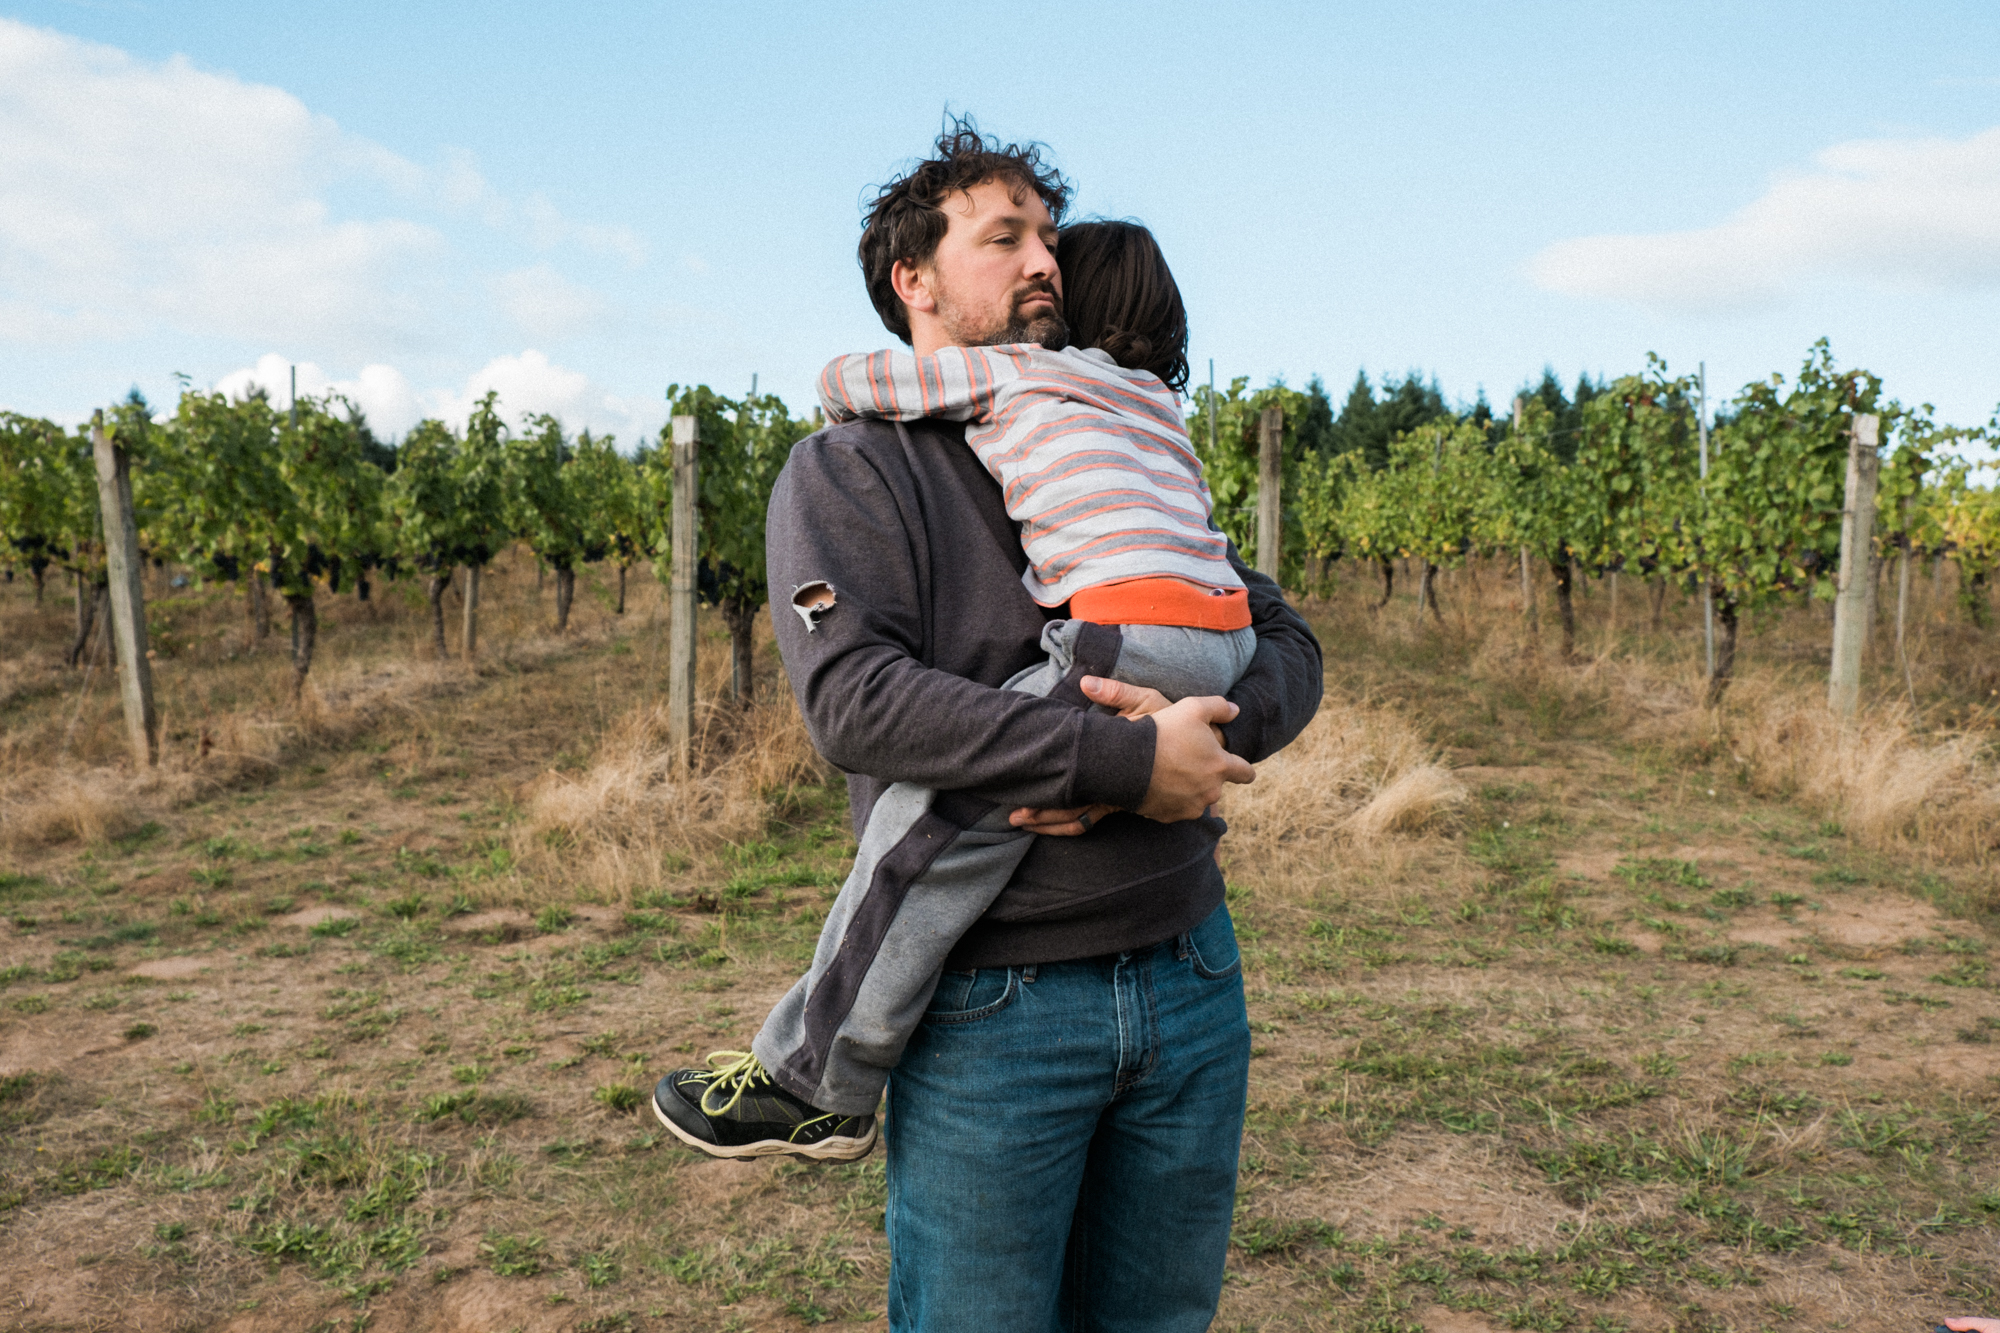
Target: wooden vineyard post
{"points": [[1427, 588], [471, 621], [1707, 585], [1857, 540], [1211, 407], [1270, 470], [128, 594], [1527, 579], [1903, 599], [681, 596]]}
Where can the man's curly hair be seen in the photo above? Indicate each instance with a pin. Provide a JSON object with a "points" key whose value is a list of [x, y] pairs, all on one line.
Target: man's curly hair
{"points": [[906, 218]]}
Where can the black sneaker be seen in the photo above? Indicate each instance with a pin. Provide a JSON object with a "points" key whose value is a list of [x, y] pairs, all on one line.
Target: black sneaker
{"points": [[733, 1109]]}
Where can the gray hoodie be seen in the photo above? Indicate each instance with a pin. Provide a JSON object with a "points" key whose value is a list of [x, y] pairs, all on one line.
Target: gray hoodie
{"points": [[900, 680]]}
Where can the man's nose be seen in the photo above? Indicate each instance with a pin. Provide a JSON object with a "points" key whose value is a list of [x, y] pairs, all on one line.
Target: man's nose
{"points": [[1038, 261]]}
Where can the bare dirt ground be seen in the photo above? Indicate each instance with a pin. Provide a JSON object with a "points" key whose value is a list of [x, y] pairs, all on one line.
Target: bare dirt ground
{"points": [[1622, 1040]]}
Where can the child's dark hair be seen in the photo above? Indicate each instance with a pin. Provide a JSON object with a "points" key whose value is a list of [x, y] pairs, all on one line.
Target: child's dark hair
{"points": [[1119, 295]]}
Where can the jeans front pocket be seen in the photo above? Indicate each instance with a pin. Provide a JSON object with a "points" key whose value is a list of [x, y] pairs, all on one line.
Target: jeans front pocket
{"points": [[965, 997], [1211, 947]]}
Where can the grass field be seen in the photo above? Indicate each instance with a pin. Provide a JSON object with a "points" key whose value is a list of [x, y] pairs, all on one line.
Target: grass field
{"points": [[1575, 1006]]}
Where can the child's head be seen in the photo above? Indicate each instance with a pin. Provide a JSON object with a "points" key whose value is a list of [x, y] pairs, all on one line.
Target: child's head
{"points": [[1119, 295]]}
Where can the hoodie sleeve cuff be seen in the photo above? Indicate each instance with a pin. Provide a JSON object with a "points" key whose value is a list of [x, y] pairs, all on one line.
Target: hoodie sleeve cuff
{"points": [[1114, 760]]}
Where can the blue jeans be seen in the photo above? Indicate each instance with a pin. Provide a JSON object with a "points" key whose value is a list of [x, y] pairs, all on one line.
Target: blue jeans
{"points": [[1062, 1143]]}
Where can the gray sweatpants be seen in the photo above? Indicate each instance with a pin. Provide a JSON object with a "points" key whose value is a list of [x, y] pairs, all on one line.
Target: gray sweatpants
{"points": [[930, 864]]}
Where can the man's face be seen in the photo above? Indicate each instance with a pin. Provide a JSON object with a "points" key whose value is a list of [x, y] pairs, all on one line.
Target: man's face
{"points": [[994, 277]]}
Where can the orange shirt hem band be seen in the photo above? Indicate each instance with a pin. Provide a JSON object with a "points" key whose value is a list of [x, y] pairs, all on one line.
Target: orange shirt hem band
{"points": [[1163, 601]]}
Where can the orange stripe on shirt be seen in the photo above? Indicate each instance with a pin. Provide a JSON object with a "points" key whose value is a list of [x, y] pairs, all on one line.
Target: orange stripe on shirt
{"points": [[1163, 601]]}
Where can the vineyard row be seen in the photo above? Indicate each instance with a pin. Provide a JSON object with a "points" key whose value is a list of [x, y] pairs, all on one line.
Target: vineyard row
{"points": [[295, 502]]}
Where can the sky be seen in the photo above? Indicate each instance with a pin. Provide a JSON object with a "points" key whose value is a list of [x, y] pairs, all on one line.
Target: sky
{"points": [[578, 205]]}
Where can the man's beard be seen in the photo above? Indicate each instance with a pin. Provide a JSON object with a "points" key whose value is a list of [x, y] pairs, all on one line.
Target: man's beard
{"points": [[1048, 330]]}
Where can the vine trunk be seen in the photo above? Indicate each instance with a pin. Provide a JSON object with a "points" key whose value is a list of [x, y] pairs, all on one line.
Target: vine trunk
{"points": [[741, 613], [305, 634], [565, 594], [1564, 574], [438, 584]]}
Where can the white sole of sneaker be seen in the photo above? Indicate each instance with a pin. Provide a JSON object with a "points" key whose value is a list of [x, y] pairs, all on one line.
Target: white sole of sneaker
{"points": [[841, 1148]]}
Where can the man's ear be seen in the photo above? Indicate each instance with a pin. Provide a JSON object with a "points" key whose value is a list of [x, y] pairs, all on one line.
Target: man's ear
{"points": [[913, 287]]}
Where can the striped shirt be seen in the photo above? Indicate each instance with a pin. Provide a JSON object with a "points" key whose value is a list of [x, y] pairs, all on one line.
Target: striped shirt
{"points": [[1093, 460]]}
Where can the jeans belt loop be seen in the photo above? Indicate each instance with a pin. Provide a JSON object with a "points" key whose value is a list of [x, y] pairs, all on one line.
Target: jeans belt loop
{"points": [[1184, 945], [1028, 972]]}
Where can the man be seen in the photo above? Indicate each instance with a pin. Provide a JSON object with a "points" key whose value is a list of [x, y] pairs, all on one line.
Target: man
{"points": [[1062, 1131]]}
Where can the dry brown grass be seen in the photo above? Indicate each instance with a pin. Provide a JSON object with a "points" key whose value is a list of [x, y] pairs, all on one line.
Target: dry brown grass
{"points": [[54, 799], [1877, 775], [629, 818], [1887, 778], [1361, 775], [76, 805], [1358, 774], [64, 800], [1895, 776], [226, 716]]}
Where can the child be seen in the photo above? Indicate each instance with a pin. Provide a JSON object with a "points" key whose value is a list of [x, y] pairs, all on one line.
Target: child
{"points": [[1095, 464]]}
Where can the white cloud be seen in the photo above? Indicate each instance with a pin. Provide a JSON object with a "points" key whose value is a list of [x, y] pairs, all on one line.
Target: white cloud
{"points": [[141, 197], [1918, 214], [463, 188], [134, 195], [528, 384], [381, 391], [547, 306], [30, 322]]}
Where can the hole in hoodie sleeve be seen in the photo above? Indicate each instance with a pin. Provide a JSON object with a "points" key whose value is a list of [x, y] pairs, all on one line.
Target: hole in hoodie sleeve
{"points": [[812, 601]]}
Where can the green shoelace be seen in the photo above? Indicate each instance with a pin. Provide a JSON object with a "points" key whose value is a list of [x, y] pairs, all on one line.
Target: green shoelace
{"points": [[738, 1072], [734, 1072]]}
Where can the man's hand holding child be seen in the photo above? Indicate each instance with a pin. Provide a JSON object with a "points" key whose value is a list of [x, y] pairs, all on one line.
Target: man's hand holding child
{"points": [[1190, 766]]}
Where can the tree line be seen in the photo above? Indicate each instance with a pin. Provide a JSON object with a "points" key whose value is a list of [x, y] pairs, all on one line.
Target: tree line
{"points": [[299, 503]]}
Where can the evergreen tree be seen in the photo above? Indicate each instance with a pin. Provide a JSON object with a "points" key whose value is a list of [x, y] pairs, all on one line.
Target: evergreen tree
{"points": [[1366, 425], [372, 449], [1355, 426], [1315, 429], [1481, 414], [1406, 405]]}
